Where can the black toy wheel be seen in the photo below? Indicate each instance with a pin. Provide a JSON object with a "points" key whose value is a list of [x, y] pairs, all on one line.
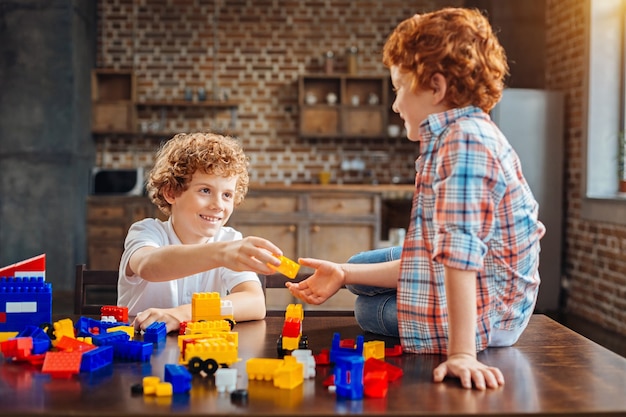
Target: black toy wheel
{"points": [[210, 366], [304, 342], [195, 365]]}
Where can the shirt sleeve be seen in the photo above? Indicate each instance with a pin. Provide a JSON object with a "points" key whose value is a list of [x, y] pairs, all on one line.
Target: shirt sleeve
{"points": [[467, 185]]}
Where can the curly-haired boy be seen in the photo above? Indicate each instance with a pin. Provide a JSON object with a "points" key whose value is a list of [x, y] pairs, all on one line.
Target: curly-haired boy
{"points": [[467, 277], [197, 180]]}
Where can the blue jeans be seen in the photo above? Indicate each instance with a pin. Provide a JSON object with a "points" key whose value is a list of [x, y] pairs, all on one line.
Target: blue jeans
{"points": [[375, 308]]}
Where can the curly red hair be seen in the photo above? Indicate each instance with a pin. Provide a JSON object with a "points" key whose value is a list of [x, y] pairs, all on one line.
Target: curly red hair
{"points": [[180, 157], [457, 43]]}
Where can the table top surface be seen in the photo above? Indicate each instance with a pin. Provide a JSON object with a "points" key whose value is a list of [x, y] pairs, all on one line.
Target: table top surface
{"points": [[551, 370]]}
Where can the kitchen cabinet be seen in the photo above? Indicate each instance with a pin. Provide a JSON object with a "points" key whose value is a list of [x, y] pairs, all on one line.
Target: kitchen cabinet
{"points": [[344, 105], [108, 221], [116, 109], [330, 222], [331, 225]]}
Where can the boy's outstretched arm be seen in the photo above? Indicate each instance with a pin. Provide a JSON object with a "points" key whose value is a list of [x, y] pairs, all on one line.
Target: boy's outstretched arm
{"points": [[330, 277], [461, 362]]}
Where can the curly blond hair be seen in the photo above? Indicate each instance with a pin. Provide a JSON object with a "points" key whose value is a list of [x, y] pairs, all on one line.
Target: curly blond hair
{"points": [[456, 43], [180, 157]]}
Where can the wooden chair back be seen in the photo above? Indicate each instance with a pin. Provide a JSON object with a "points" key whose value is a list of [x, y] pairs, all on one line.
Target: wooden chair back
{"points": [[93, 289]]}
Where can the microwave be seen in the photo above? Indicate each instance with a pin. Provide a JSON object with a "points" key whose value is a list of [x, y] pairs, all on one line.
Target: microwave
{"points": [[106, 181]]}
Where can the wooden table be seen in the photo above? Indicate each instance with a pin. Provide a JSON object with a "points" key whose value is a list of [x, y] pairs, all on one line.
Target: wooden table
{"points": [[551, 371]]}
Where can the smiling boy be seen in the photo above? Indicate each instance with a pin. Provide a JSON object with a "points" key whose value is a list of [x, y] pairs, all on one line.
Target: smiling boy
{"points": [[197, 180]]}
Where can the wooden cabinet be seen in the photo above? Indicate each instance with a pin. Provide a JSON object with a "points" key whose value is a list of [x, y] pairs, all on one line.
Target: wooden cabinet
{"points": [[344, 105], [331, 225], [108, 220]]}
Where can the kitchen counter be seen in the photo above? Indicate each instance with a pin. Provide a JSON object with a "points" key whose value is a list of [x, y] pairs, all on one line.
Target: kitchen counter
{"points": [[387, 191]]}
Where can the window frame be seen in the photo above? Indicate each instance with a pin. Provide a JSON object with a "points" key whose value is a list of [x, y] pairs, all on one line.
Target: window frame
{"points": [[604, 111]]}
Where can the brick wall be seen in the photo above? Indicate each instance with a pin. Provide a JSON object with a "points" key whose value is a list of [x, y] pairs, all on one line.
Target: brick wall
{"points": [[255, 56], [595, 264]]}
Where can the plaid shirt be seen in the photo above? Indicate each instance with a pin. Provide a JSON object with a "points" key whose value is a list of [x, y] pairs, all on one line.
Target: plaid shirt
{"points": [[472, 210]]}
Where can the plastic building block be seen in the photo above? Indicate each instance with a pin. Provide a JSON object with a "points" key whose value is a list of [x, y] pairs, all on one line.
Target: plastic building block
{"points": [[205, 355], [226, 380], [305, 357], [349, 376], [23, 302], [394, 351], [155, 333], [29, 267], [132, 350], [152, 385], [18, 348], [232, 337], [376, 365], [62, 364], [239, 397], [110, 338], [97, 358], [70, 344], [129, 330], [291, 337], [205, 306], [374, 349], [323, 358], [375, 384], [204, 327], [179, 377], [41, 340], [119, 314], [337, 351], [262, 368], [290, 374], [149, 384], [287, 267], [286, 373], [7, 335], [63, 327]]}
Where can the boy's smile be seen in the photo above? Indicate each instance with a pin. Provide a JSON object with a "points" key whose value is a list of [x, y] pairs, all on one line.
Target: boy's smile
{"points": [[200, 211]]}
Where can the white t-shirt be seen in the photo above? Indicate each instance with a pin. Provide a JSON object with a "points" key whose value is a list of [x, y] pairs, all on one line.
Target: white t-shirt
{"points": [[138, 294]]}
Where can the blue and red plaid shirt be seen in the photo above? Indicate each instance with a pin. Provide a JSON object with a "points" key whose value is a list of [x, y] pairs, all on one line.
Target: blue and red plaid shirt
{"points": [[472, 210]]}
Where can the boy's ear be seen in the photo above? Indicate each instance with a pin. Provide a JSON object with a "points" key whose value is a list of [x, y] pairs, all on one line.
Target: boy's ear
{"points": [[168, 194], [439, 87]]}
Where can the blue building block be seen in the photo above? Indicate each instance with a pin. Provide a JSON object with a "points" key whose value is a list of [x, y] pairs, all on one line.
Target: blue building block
{"points": [[132, 351], [41, 340], [24, 301], [155, 333], [95, 359], [110, 338], [85, 325], [349, 376], [179, 376], [336, 351]]}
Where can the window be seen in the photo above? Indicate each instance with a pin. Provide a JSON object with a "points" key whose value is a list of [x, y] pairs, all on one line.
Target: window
{"points": [[605, 112]]}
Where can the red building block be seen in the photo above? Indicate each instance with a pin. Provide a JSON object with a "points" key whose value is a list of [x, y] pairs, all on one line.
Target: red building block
{"points": [[62, 364]]}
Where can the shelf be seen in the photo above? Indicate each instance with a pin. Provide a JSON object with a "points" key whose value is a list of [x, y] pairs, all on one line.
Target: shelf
{"points": [[185, 103], [344, 106]]}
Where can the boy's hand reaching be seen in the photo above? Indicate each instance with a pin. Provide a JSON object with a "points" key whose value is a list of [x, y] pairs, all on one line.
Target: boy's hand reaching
{"points": [[469, 370], [327, 279], [251, 254], [172, 317]]}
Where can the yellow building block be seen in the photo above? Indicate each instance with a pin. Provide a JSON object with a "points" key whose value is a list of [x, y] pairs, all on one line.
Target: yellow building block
{"points": [[290, 374], [287, 267], [374, 349], [294, 311], [129, 330], [262, 369], [206, 306], [63, 327]]}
